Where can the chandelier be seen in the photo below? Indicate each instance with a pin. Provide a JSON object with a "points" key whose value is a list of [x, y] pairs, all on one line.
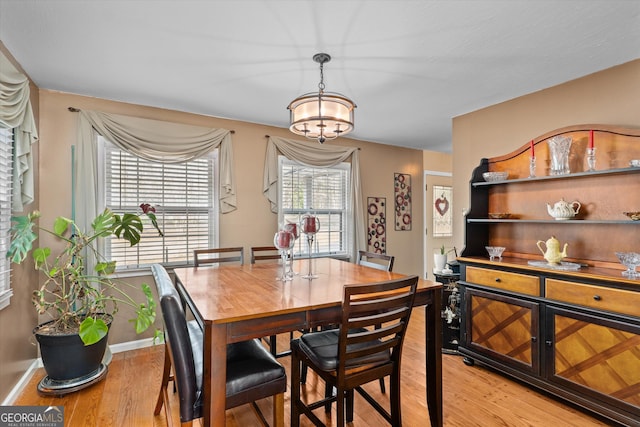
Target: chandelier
{"points": [[321, 115]]}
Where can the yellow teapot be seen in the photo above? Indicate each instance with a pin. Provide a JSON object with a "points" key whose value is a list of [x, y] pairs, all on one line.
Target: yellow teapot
{"points": [[552, 253]]}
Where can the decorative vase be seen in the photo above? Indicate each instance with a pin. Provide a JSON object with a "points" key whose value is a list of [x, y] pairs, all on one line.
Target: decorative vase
{"points": [[559, 147]]}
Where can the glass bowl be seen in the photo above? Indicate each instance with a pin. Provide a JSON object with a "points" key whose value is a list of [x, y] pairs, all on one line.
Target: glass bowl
{"points": [[499, 215], [634, 216], [495, 176], [494, 252], [630, 260]]}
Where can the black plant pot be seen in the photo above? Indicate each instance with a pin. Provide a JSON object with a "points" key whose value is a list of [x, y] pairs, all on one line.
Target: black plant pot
{"points": [[65, 357]]}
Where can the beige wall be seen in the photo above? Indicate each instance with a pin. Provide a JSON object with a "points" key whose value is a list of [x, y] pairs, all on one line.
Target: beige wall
{"points": [[608, 97], [252, 223], [17, 348]]}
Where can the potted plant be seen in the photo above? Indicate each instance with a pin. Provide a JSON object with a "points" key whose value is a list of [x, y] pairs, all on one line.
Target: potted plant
{"points": [[81, 303], [440, 259]]}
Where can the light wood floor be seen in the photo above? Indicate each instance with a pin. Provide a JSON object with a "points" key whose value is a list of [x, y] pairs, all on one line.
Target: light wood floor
{"points": [[473, 396]]}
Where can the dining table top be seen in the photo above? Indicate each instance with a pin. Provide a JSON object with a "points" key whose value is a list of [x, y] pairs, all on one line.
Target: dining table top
{"points": [[234, 293]]}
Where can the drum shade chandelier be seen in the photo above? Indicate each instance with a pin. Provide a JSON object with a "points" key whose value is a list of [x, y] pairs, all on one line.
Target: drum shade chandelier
{"points": [[321, 115]]}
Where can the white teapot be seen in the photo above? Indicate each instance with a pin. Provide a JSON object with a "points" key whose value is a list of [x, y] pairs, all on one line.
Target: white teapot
{"points": [[563, 209]]}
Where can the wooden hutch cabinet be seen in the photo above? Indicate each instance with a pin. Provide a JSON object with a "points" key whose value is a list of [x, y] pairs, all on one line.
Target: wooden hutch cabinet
{"points": [[572, 332]]}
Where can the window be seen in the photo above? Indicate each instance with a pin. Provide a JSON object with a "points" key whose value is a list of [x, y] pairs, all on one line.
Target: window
{"points": [[323, 192], [6, 158], [183, 195]]}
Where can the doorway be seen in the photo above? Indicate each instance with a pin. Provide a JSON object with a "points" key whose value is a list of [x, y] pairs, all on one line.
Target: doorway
{"points": [[438, 210]]}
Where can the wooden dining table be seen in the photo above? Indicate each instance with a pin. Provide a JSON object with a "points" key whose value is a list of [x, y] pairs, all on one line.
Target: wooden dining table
{"points": [[235, 303]]}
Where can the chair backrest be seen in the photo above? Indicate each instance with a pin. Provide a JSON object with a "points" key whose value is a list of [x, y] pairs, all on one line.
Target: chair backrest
{"points": [[164, 285], [375, 260], [178, 336], [217, 255], [263, 253], [386, 305]]}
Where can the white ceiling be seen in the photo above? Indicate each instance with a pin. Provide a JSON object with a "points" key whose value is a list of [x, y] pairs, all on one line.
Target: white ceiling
{"points": [[411, 66]]}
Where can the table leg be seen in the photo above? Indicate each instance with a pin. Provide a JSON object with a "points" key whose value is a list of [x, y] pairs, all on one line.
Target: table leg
{"points": [[215, 374], [433, 330]]}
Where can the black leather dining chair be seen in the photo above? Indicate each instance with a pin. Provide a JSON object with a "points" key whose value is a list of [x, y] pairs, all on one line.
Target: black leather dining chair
{"points": [[378, 261], [252, 372], [356, 353]]}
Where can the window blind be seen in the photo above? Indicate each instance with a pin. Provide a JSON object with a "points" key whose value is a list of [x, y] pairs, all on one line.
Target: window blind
{"points": [[183, 195], [6, 161], [323, 192]]}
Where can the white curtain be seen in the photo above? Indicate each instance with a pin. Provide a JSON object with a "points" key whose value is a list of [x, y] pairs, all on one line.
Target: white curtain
{"points": [[16, 113], [152, 140], [314, 154]]}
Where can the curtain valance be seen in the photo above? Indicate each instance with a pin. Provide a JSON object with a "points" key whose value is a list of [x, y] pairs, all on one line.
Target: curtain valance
{"points": [[16, 113], [165, 142], [314, 154]]}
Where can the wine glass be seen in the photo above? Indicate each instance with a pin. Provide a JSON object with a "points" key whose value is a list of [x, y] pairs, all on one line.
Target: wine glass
{"points": [[283, 240], [292, 227], [310, 224], [630, 260]]}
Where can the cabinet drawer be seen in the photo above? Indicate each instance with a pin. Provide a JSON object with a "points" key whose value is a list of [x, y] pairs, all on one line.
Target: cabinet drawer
{"points": [[616, 300], [514, 282]]}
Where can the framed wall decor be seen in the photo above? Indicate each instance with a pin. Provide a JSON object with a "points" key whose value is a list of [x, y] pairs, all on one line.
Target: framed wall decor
{"points": [[377, 224], [442, 218], [402, 194]]}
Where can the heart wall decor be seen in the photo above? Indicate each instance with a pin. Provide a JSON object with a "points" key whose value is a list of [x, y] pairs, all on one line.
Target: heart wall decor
{"points": [[442, 205], [442, 209]]}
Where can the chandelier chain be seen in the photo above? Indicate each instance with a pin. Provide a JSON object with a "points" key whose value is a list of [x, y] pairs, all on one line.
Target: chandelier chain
{"points": [[321, 84]]}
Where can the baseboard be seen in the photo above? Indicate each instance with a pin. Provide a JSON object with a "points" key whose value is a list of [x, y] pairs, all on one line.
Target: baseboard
{"points": [[37, 363], [134, 345], [22, 382]]}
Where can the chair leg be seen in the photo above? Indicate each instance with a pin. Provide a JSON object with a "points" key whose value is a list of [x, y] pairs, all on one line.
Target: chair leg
{"points": [[328, 392], [340, 398], [295, 387], [394, 400], [349, 409], [272, 345], [166, 375], [278, 410]]}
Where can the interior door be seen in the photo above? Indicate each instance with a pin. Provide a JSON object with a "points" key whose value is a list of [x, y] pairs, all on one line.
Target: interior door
{"points": [[438, 211]]}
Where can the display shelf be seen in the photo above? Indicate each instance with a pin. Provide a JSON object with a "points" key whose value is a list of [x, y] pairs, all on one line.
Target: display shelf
{"points": [[549, 221], [559, 177]]}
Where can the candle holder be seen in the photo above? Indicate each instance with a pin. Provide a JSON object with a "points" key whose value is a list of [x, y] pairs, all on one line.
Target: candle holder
{"points": [[532, 167], [283, 240], [310, 225], [591, 159]]}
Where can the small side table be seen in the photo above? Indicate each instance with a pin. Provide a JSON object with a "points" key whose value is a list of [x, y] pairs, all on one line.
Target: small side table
{"points": [[450, 312]]}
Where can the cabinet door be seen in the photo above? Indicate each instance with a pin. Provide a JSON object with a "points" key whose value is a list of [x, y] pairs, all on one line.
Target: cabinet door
{"points": [[504, 328], [596, 357]]}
